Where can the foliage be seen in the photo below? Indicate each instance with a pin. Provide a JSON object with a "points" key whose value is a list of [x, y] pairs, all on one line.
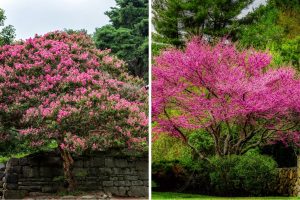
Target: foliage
{"points": [[249, 174], [60, 87], [230, 96], [262, 31], [7, 34], [159, 44], [176, 175], [166, 148], [127, 37], [173, 19], [288, 51], [276, 27]]}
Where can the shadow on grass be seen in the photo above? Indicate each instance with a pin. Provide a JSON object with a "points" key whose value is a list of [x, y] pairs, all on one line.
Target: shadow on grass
{"points": [[171, 195]]}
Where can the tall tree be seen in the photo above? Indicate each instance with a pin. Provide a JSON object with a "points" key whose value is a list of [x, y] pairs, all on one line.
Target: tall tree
{"points": [[59, 87], [7, 34], [175, 18], [127, 36], [227, 96], [275, 26]]}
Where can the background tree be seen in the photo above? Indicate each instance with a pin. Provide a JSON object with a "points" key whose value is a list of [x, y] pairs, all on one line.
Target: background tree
{"points": [[175, 18], [59, 87], [127, 36], [7, 33], [228, 97], [274, 27]]}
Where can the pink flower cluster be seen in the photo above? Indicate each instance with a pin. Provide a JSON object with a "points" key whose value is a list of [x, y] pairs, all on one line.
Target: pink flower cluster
{"points": [[205, 85], [60, 83]]}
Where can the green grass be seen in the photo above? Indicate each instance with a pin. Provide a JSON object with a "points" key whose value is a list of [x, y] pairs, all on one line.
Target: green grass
{"points": [[171, 195]]}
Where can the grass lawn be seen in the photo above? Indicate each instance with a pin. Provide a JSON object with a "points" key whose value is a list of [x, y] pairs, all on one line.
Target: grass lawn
{"points": [[171, 195]]}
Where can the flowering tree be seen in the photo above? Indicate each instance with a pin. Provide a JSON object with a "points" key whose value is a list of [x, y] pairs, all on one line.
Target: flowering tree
{"points": [[59, 86], [232, 97]]}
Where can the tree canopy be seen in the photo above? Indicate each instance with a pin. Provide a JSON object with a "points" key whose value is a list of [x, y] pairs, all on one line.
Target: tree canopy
{"points": [[7, 33], [127, 36], [175, 19], [219, 94], [60, 87]]}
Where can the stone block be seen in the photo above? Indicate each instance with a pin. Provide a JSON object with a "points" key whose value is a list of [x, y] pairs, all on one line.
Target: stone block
{"points": [[49, 189], [86, 163], [131, 178], [33, 161], [113, 178], [143, 175], [122, 191], [80, 172], [94, 171], [138, 191], [146, 183], [23, 161], [109, 162], [108, 183], [139, 183], [112, 190], [142, 165], [50, 172], [88, 197], [11, 178], [11, 186], [107, 171], [98, 162], [51, 161], [15, 194], [128, 183], [78, 163], [14, 169], [121, 163], [31, 188], [29, 172], [13, 162], [119, 183]]}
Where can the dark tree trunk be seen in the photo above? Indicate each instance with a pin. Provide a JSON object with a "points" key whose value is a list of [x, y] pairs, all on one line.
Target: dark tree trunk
{"points": [[68, 164]]}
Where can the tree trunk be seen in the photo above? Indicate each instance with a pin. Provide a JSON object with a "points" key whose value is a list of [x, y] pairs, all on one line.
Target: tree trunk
{"points": [[68, 163]]}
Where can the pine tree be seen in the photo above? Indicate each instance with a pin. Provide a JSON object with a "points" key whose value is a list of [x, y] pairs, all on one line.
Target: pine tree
{"points": [[7, 34], [127, 36], [175, 19]]}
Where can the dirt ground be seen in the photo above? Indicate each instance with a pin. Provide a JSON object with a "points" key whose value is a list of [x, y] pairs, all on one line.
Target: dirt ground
{"points": [[88, 196]]}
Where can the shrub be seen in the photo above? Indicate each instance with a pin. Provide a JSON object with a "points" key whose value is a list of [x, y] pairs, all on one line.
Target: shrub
{"points": [[181, 176], [250, 174], [166, 148]]}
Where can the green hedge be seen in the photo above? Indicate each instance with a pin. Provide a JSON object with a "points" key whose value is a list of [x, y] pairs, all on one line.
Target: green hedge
{"points": [[247, 175]]}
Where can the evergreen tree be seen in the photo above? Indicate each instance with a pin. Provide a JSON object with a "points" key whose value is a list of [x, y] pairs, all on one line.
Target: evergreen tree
{"points": [[127, 36], [276, 27], [7, 33], [175, 18]]}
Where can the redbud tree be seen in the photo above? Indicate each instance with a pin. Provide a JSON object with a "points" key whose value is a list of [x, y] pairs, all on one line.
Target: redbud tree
{"points": [[60, 87], [230, 97]]}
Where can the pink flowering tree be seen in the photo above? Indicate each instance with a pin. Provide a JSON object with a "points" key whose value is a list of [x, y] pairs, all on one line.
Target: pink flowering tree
{"points": [[229, 97], [60, 87]]}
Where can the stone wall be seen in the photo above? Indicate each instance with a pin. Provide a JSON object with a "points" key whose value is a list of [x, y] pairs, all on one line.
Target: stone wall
{"points": [[109, 171], [287, 179]]}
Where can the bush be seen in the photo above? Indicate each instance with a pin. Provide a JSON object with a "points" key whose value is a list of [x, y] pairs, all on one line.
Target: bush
{"points": [[181, 176], [166, 148], [249, 174]]}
